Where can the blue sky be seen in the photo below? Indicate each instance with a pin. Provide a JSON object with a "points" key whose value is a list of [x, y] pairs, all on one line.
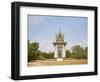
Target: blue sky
{"points": [[43, 29]]}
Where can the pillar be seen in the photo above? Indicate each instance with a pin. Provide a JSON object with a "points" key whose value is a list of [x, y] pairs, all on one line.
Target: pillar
{"points": [[55, 52], [63, 52]]}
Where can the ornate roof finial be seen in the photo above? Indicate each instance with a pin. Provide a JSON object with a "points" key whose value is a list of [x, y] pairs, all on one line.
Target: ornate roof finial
{"points": [[59, 29], [59, 33]]}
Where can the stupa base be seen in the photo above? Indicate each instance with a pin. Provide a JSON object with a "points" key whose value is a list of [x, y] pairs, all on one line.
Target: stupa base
{"points": [[59, 59]]}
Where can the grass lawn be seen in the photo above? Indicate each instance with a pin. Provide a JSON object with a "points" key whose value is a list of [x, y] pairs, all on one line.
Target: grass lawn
{"points": [[53, 62]]}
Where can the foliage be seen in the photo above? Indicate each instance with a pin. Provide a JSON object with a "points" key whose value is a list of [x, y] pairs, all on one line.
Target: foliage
{"points": [[68, 54], [33, 51], [48, 55], [35, 54], [79, 52]]}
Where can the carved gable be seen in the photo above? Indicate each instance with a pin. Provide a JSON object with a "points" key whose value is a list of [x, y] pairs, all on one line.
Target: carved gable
{"points": [[59, 38]]}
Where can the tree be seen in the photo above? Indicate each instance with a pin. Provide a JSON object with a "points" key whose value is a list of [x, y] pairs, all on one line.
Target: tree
{"points": [[79, 52], [68, 54], [35, 54], [49, 55], [33, 51], [85, 52]]}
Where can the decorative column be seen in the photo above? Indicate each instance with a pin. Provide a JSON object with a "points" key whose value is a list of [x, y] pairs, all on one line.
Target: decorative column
{"points": [[55, 52], [64, 52]]}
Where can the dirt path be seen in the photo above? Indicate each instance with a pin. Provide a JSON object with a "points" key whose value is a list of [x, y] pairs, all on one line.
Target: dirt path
{"points": [[52, 62]]}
